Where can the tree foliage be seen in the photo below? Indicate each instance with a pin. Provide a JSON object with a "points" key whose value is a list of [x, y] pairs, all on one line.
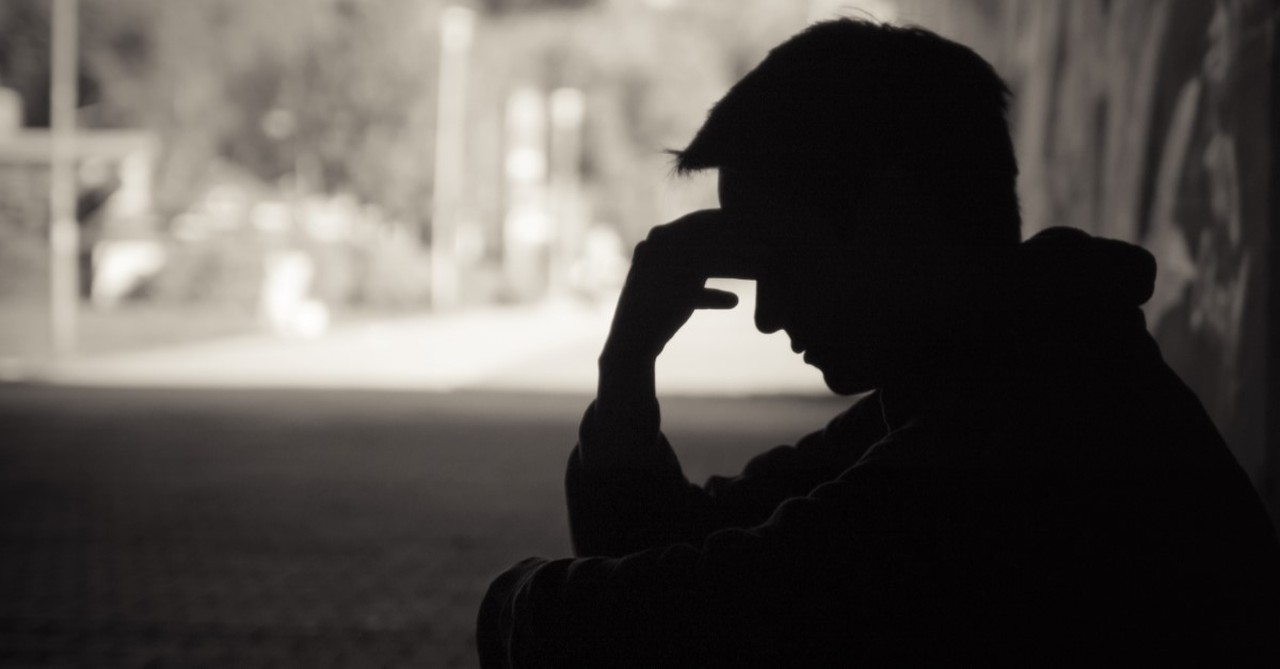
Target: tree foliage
{"points": [[340, 94]]}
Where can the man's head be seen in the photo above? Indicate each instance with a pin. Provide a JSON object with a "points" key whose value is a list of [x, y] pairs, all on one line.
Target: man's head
{"points": [[876, 161]]}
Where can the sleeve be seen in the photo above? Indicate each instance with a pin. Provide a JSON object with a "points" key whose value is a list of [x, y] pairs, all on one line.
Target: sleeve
{"points": [[617, 511], [809, 580]]}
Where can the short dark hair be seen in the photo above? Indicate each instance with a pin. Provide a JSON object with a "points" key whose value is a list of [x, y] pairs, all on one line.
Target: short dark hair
{"points": [[831, 104]]}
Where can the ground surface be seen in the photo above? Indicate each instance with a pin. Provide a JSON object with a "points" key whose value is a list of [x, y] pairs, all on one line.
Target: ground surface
{"points": [[297, 528]]}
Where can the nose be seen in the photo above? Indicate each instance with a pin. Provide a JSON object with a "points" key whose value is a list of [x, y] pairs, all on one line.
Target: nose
{"points": [[771, 307]]}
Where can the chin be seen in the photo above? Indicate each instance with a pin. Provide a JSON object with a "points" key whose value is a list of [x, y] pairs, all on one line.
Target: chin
{"points": [[845, 384]]}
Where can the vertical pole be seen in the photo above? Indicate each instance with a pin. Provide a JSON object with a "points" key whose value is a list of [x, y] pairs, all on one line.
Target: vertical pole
{"points": [[456, 25], [64, 234], [568, 106]]}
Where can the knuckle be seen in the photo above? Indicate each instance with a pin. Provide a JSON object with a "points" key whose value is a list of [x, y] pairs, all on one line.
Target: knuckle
{"points": [[659, 232], [704, 215]]}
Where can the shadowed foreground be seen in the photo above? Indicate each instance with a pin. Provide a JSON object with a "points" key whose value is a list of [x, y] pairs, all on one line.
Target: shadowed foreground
{"points": [[189, 528]]}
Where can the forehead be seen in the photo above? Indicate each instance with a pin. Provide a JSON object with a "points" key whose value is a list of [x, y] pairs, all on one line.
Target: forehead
{"points": [[747, 189]]}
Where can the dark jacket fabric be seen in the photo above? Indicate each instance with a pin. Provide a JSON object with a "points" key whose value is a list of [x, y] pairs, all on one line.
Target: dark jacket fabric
{"points": [[1064, 500]]}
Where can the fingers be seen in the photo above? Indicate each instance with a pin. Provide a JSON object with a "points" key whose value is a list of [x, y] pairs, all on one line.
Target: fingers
{"points": [[703, 244], [704, 223], [666, 282], [711, 298]]}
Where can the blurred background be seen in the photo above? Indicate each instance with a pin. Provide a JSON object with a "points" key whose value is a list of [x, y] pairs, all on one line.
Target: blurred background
{"points": [[300, 300]]}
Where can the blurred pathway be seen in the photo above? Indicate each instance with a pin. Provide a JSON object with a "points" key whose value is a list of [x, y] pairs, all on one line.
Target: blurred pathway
{"points": [[546, 347]]}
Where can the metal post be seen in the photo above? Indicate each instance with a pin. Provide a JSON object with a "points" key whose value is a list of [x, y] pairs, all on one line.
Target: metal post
{"points": [[64, 233], [456, 26], [568, 106]]}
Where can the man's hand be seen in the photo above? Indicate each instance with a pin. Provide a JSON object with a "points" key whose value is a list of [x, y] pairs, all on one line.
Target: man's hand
{"points": [[667, 280], [663, 288]]}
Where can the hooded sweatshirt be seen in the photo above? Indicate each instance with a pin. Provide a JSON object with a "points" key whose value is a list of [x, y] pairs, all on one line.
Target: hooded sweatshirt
{"points": [[1063, 499]]}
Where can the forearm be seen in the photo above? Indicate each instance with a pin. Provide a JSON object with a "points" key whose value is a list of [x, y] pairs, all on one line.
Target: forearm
{"points": [[594, 612], [624, 486], [665, 285], [615, 510], [740, 598], [626, 417]]}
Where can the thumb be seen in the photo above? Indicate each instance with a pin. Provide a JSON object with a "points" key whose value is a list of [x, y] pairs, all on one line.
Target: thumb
{"points": [[711, 298]]}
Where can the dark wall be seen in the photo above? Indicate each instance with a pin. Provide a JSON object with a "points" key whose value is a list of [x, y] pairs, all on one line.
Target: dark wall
{"points": [[1271, 481]]}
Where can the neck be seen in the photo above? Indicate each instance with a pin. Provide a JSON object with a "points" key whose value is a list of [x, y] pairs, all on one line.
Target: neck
{"points": [[901, 404], [972, 346]]}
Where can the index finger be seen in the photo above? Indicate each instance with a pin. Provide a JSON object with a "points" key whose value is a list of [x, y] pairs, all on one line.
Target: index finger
{"points": [[704, 242]]}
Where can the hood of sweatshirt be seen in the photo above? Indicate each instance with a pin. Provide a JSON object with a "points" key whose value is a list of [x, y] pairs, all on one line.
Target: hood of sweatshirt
{"points": [[1067, 349], [1072, 270], [1069, 309], [1066, 280], [1065, 312]]}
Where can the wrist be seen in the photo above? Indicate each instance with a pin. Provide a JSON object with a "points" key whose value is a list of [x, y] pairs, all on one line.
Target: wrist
{"points": [[626, 378], [627, 359]]}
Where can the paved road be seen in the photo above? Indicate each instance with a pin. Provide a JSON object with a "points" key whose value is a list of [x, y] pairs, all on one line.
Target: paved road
{"points": [[298, 528]]}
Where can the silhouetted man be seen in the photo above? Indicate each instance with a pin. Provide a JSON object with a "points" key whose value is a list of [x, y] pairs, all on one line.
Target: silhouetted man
{"points": [[1027, 483]]}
